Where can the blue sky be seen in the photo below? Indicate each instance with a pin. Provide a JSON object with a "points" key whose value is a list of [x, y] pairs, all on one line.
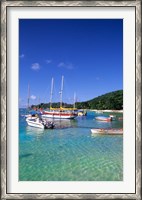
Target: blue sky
{"points": [[87, 52]]}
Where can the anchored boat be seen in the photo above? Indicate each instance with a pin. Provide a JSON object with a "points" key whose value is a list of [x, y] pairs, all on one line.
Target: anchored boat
{"points": [[103, 118], [40, 123], [82, 112], [103, 131], [59, 113]]}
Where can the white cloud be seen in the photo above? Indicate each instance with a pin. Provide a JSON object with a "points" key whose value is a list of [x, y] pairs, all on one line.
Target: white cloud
{"points": [[22, 56], [35, 66], [66, 65], [48, 61], [61, 64], [33, 97]]}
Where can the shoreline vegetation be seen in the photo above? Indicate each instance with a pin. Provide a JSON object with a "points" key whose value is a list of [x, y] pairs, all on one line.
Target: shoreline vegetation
{"points": [[109, 102]]}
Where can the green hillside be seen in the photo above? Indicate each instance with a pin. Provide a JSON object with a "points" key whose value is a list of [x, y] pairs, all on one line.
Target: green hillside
{"points": [[110, 101]]}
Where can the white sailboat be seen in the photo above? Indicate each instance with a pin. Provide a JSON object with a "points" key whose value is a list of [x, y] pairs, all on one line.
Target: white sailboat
{"points": [[59, 113]]}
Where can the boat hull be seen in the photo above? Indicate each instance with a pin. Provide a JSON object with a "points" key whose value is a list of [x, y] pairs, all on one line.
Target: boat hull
{"points": [[42, 124], [58, 115], [107, 131], [35, 124], [105, 119]]}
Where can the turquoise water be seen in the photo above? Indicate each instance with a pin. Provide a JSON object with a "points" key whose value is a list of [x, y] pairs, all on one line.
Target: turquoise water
{"points": [[70, 152]]}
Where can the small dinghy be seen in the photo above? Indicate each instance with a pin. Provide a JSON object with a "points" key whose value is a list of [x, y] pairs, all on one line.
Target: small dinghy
{"points": [[40, 123], [103, 118], [103, 131]]}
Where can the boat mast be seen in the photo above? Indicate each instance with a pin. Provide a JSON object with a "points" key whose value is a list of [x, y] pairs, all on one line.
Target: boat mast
{"points": [[61, 92], [51, 93], [74, 100], [28, 96], [38, 102]]}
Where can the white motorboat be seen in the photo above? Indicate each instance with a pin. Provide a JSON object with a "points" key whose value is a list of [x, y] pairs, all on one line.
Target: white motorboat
{"points": [[40, 123]]}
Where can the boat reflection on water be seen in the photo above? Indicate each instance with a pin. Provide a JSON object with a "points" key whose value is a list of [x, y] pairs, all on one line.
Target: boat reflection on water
{"points": [[63, 123], [33, 131]]}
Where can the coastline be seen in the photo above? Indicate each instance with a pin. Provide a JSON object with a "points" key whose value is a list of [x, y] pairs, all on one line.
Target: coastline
{"points": [[113, 111]]}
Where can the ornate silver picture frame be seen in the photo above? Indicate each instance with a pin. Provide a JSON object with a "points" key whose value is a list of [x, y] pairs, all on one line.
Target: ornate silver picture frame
{"points": [[4, 99]]}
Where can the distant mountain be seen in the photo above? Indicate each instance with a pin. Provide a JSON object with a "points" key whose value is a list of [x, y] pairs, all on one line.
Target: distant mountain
{"points": [[110, 101]]}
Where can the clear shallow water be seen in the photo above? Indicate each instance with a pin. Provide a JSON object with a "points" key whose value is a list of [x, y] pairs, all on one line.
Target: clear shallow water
{"points": [[70, 152]]}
